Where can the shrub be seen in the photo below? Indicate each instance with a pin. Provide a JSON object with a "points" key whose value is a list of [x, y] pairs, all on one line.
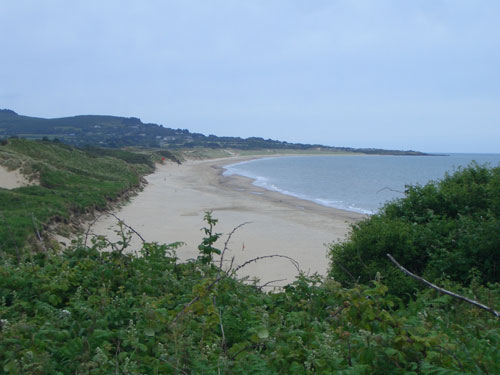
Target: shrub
{"points": [[447, 229]]}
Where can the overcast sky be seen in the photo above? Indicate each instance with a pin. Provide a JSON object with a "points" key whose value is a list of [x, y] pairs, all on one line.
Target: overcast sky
{"points": [[399, 74]]}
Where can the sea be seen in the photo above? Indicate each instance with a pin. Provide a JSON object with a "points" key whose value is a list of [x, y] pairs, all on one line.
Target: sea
{"points": [[352, 182]]}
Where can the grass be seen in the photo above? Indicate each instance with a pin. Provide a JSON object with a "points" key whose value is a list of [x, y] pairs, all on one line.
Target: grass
{"points": [[71, 182]]}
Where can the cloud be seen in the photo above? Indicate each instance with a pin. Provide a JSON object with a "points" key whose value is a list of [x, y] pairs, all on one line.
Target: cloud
{"points": [[259, 67]]}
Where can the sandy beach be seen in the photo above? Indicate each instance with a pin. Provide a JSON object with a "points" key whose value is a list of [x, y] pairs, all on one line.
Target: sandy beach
{"points": [[172, 205]]}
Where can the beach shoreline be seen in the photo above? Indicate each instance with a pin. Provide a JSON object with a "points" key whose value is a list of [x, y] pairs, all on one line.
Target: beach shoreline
{"points": [[173, 203]]}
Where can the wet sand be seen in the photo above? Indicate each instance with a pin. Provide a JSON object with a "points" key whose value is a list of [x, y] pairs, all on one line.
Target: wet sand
{"points": [[172, 205]]}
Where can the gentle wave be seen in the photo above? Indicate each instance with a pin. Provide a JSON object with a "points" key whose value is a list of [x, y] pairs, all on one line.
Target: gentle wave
{"points": [[263, 182], [355, 183]]}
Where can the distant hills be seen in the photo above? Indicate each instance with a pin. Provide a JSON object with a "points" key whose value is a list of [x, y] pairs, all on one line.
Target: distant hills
{"points": [[114, 132]]}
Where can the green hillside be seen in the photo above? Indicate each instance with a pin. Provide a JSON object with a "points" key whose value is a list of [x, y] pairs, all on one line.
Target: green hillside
{"points": [[112, 131], [70, 182]]}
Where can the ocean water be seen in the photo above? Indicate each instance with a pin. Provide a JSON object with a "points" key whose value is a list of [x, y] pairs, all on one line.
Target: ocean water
{"points": [[355, 183]]}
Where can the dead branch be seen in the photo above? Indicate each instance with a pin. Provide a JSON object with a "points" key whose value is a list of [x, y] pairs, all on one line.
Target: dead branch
{"points": [[441, 290], [293, 261], [388, 188], [346, 271], [223, 338], [220, 275], [229, 239], [128, 227], [270, 282], [90, 226], [37, 232]]}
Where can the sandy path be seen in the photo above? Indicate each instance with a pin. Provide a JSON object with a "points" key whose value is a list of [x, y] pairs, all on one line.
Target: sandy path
{"points": [[172, 206]]}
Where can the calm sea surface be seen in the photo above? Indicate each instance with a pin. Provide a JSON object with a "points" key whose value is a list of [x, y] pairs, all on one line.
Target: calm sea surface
{"points": [[355, 183]]}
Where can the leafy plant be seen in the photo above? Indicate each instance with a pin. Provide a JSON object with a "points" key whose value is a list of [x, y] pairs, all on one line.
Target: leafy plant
{"points": [[86, 310], [443, 230]]}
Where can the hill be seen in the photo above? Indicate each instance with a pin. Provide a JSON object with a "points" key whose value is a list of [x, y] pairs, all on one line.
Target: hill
{"points": [[114, 131]]}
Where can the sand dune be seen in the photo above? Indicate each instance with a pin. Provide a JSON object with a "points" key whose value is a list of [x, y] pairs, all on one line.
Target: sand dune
{"points": [[12, 179], [172, 206]]}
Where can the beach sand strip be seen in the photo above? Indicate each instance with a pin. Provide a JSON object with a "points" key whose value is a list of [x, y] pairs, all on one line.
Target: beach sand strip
{"points": [[172, 206]]}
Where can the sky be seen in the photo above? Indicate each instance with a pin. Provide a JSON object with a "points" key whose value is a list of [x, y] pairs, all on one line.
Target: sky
{"points": [[395, 74]]}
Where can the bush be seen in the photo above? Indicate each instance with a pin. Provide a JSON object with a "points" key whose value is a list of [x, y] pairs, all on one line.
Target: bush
{"points": [[447, 229], [89, 311]]}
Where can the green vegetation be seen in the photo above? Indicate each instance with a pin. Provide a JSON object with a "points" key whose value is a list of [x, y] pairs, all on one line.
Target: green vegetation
{"points": [[83, 310], [86, 311], [113, 131], [70, 182], [443, 230]]}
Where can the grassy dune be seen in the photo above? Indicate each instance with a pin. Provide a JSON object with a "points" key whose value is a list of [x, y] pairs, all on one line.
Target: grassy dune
{"points": [[70, 182]]}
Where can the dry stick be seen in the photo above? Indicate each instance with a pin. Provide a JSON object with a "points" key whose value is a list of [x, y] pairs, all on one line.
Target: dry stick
{"points": [[444, 291], [346, 271], [222, 274], [229, 239], [388, 188], [127, 226], [90, 226], [270, 282], [223, 338], [37, 232], [293, 261], [173, 366]]}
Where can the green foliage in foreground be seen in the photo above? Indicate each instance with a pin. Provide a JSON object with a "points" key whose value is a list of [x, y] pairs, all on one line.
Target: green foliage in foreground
{"points": [[448, 229], [86, 311], [71, 182]]}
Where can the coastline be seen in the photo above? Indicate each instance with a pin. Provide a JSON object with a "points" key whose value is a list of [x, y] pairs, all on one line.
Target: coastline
{"points": [[172, 205]]}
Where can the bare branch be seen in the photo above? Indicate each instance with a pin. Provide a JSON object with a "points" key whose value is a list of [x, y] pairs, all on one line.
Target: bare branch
{"points": [[128, 227], [229, 239], [270, 282], [441, 290], [223, 338], [221, 275], [388, 188], [90, 226], [37, 232], [346, 271], [293, 261]]}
